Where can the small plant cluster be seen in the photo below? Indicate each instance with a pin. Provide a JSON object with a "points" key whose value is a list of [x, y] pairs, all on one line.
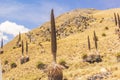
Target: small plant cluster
{"points": [[41, 65], [100, 75], [13, 65], [63, 63], [93, 57]]}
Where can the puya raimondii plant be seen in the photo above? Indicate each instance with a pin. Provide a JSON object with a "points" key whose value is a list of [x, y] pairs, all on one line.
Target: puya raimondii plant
{"points": [[55, 70], [117, 23], [95, 40], [19, 40], [1, 50], [89, 46], [23, 58]]}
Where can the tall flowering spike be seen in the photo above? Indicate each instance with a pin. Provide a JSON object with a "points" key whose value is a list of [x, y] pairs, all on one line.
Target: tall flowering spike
{"points": [[118, 20], [0, 71], [89, 46], [22, 48], [2, 43], [26, 47], [19, 39], [115, 17], [95, 39], [53, 36]]}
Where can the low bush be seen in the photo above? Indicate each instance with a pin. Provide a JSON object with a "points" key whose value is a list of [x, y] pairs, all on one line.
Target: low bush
{"points": [[41, 65], [13, 65]]}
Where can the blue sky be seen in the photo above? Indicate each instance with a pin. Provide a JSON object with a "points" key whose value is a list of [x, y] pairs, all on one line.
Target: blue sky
{"points": [[32, 13]]}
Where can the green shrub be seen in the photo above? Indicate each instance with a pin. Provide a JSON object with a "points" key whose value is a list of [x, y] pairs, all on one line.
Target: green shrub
{"points": [[62, 62], [84, 56], [41, 65], [5, 62], [106, 28], [14, 47], [13, 65], [103, 34], [118, 55]]}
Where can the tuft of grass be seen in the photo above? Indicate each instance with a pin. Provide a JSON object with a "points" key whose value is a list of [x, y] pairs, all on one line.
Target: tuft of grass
{"points": [[118, 54], [40, 65], [14, 47], [106, 28], [62, 62], [103, 34], [5, 62], [84, 56], [13, 65]]}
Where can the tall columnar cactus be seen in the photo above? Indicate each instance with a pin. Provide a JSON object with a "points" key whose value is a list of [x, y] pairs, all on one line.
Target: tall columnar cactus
{"points": [[53, 37], [95, 40], [115, 17], [2, 43], [118, 20], [27, 57], [22, 48], [18, 44], [19, 39], [89, 46], [0, 71], [26, 47], [55, 70]]}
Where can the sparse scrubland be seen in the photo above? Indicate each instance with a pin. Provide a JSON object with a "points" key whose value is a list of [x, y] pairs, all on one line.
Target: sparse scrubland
{"points": [[73, 44]]}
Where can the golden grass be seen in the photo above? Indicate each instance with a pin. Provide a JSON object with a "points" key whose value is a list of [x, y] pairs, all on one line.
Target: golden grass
{"points": [[70, 49]]}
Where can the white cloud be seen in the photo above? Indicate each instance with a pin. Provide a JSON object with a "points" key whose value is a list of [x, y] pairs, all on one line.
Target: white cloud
{"points": [[11, 28], [34, 13]]}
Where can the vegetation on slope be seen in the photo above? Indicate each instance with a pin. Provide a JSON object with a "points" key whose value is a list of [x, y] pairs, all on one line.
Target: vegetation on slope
{"points": [[72, 32]]}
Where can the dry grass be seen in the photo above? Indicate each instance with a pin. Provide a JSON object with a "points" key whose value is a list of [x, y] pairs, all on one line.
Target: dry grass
{"points": [[70, 49]]}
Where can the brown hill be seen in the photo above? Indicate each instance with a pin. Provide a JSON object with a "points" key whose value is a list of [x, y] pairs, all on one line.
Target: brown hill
{"points": [[72, 30]]}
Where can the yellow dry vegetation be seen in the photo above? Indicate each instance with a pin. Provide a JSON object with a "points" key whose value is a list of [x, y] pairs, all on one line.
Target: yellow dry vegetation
{"points": [[70, 49]]}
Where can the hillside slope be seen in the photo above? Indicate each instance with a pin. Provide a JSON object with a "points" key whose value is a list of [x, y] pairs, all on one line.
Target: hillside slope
{"points": [[72, 31]]}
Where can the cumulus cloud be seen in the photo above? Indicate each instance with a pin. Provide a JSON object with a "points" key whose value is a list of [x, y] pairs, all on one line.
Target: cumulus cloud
{"points": [[11, 28]]}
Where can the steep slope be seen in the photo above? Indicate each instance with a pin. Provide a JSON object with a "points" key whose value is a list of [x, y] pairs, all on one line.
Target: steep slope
{"points": [[72, 31]]}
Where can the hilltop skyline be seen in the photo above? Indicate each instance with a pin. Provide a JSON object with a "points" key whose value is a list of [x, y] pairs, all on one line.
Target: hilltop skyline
{"points": [[30, 13]]}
